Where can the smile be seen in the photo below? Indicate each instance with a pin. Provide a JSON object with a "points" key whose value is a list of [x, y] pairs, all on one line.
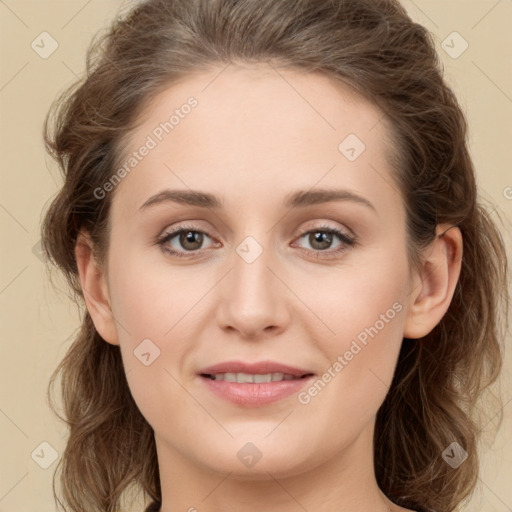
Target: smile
{"points": [[253, 378]]}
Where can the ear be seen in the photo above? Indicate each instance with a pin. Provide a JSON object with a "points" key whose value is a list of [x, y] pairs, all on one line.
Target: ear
{"points": [[95, 290], [434, 287]]}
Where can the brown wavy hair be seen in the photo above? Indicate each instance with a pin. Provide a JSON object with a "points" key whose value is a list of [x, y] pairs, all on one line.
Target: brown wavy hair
{"points": [[373, 46]]}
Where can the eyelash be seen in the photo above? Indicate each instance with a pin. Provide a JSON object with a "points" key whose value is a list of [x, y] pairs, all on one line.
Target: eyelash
{"points": [[347, 241]]}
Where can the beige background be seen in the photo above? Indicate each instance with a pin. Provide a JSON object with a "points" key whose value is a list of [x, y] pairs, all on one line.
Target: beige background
{"points": [[36, 322]]}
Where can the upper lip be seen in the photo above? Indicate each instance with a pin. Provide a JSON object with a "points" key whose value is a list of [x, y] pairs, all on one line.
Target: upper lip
{"points": [[261, 367]]}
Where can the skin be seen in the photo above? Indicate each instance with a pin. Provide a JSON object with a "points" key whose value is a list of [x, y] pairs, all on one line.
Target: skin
{"points": [[252, 140]]}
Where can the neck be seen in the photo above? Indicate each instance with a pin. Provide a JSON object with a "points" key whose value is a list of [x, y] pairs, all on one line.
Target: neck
{"points": [[345, 482]]}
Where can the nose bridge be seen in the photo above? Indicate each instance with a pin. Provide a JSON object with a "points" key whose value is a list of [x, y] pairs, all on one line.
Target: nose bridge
{"points": [[252, 299]]}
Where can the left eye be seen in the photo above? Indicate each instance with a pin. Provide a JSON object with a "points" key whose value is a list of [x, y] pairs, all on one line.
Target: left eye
{"points": [[321, 239]]}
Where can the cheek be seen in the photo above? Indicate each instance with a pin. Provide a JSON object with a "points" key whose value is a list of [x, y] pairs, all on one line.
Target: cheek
{"points": [[362, 309], [155, 338], [352, 297], [150, 299]]}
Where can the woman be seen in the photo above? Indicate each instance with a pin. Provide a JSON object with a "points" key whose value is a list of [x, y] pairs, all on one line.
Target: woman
{"points": [[292, 292]]}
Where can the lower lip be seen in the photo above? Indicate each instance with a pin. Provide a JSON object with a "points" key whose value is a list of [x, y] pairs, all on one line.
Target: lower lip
{"points": [[256, 394]]}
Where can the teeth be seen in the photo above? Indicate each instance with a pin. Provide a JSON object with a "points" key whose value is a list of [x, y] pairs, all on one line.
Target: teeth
{"points": [[253, 378]]}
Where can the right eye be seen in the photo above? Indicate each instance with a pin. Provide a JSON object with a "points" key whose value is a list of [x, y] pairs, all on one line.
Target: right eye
{"points": [[188, 237]]}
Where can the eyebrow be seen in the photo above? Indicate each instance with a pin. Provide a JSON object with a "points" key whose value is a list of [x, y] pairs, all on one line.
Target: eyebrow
{"points": [[298, 199], [185, 197]]}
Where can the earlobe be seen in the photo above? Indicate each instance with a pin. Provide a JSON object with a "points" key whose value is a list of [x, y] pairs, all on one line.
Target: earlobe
{"points": [[95, 289], [440, 271]]}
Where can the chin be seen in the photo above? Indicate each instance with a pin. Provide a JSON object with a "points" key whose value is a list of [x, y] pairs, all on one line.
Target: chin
{"points": [[259, 461]]}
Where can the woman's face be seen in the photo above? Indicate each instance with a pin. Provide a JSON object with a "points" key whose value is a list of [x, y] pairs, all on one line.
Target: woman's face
{"points": [[266, 168]]}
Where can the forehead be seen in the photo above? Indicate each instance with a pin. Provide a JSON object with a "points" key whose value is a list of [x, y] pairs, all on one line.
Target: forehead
{"points": [[256, 125]]}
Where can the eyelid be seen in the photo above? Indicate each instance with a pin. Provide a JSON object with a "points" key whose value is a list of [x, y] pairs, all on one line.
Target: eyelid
{"points": [[169, 234], [327, 227], [182, 227]]}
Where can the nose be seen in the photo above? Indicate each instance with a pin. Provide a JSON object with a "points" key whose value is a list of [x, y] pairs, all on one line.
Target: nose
{"points": [[253, 299]]}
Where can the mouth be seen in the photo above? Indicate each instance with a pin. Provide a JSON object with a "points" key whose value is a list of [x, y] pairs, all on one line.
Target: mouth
{"points": [[254, 384], [254, 378]]}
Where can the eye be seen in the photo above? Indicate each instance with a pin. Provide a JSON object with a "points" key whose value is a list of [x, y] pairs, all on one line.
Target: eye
{"points": [[321, 239], [186, 241], [189, 239]]}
